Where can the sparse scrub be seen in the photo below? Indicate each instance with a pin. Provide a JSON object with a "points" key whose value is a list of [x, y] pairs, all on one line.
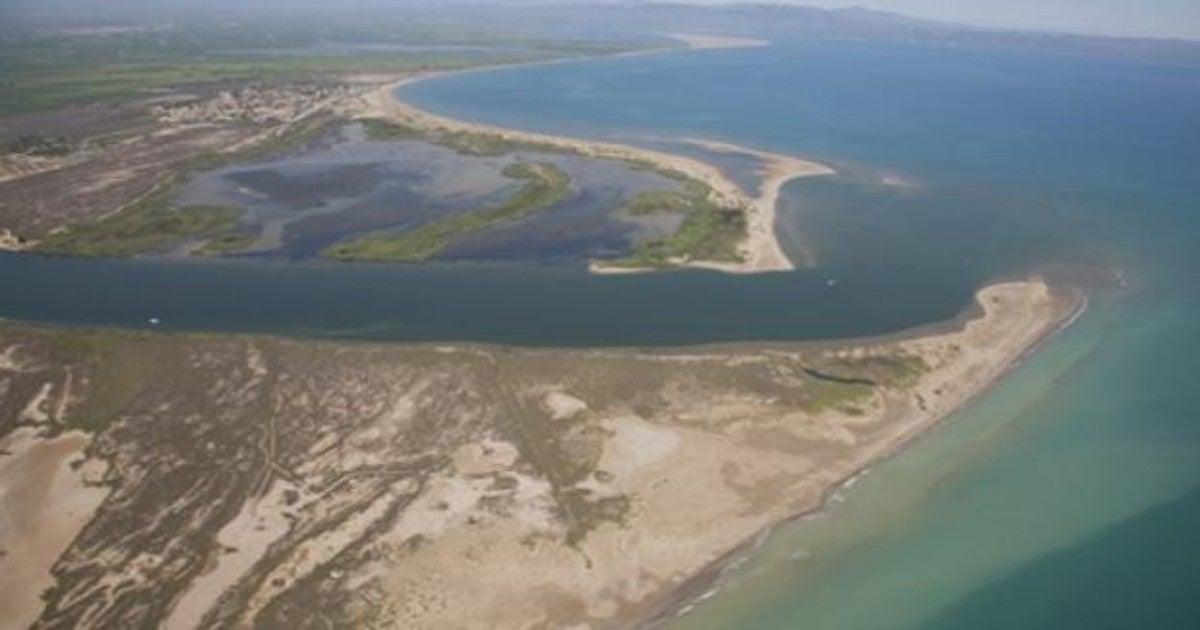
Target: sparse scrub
{"points": [[145, 225]]}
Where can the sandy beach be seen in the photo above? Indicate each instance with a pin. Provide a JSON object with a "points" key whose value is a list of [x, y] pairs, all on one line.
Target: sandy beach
{"points": [[708, 41], [760, 251], [741, 464], [486, 475]]}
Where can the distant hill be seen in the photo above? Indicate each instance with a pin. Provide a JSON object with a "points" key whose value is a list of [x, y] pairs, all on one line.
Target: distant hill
{"points": [[621, 20]]}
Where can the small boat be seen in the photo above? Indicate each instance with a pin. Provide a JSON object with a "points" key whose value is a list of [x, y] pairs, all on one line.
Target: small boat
{"points": [[154, 321]]}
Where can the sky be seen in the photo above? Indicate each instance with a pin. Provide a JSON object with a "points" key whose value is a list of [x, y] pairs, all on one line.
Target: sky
{"points": [[1154, 18]]}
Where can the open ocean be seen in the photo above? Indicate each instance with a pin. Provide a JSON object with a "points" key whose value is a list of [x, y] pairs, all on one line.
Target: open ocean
{"points": [[1068, 497]]}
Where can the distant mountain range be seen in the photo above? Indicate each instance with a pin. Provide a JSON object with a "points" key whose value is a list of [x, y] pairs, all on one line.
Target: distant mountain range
{"points": [[626, 20]]}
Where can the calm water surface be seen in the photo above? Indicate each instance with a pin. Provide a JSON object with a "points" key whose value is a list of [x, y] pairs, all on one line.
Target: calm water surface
{"points": [[342, 185], [1067, 497]]}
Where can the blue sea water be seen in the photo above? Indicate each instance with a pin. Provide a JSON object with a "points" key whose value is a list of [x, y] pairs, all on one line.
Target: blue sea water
{"points": [[1066, 497], [1069, 497]]}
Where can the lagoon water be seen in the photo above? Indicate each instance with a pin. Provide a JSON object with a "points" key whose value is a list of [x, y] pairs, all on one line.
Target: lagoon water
{"points": [[1066, 497], [341, 185], [1070, 495]]}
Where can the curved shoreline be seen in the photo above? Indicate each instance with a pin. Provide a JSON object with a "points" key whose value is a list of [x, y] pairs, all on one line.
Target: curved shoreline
{"points": [[707, 583], [760, 249], [684, 473], [766, 252]]}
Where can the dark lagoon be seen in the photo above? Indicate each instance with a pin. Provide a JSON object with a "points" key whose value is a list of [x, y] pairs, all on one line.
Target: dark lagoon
{"points": [[342, 185]]}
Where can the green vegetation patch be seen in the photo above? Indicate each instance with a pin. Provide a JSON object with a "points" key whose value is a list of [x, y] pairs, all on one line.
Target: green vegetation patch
{"points": [[150, 223], [121, 371], [292, 137], [895, 369], [478, 144], [708, 232], [469, 143], [229, 243], [42, 87], [846, 383], [145, 225], [567, 452], [39, 146], [820, 395], [545, 186], [116, 372], [43, 70], [379, 130]]}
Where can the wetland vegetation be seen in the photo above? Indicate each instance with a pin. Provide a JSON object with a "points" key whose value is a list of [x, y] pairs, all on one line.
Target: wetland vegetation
{"points": [[545, 186], [471, 143], [147, 224], [708, 231]]}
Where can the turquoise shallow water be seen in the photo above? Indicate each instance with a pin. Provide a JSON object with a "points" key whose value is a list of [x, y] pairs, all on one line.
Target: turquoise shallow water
{"points": [[1066, 498], [1070, 495]]}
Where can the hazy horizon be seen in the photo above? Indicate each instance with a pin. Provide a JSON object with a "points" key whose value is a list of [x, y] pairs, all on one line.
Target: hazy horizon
{"points": [[1154, 19]]}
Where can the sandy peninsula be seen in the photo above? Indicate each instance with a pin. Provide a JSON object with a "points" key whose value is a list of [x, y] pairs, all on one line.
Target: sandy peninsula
{"points": [[710, 41], [760, 251], [255, 481]]}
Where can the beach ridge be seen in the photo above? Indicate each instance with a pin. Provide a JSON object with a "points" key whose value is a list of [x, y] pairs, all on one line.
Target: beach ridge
{"points": [[760, 250]]}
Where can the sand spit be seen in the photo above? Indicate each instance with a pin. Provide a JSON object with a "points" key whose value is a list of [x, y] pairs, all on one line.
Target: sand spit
{"points": [[456, 486], [761, 251], [703, 41], [739, 464]]}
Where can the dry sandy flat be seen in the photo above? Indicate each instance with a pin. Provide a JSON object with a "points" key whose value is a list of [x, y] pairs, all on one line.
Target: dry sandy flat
{"points": [[452, 486], [244, 541], [14, 167], [9, 242], [714, 478], [738, 466], [44, 504], [714, 475], [704, 41]]}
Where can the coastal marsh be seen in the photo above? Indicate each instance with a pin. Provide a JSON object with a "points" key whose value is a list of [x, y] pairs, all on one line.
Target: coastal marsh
{"points": [[147, 224], [545, 186], [376, 191], [709, 232]]}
